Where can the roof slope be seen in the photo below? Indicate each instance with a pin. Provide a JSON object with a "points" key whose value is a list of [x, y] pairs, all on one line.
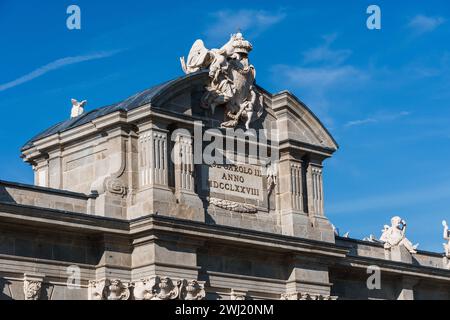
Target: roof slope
{"points": [[147, 96], [133, 102]]}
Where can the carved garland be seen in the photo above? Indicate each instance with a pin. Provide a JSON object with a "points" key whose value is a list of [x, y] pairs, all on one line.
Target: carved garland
{"points": [[233, 206]]}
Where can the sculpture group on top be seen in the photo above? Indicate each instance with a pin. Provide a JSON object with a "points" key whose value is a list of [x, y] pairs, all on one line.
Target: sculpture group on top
{"points": [[232, 80], [395, 235]]}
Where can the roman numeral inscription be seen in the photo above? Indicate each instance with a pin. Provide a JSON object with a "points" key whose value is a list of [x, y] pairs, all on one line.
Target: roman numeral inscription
{"points": [[244, 181]]}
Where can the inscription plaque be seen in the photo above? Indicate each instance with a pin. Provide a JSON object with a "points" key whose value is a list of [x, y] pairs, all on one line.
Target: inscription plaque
{"points": [[240, 180]]}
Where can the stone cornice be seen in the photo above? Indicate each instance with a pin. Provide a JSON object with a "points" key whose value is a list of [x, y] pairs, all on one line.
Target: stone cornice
{"points": [[154, 228], [70, 194], [231, 235], [62, 220], [159, 225], [396, 268]]}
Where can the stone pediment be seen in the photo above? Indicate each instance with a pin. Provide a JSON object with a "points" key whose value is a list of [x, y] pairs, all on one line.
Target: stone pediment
{"points": [[297, 123]]}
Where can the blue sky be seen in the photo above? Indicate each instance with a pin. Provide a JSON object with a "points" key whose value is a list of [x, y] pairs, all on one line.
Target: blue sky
{"points": [[383, 94]]}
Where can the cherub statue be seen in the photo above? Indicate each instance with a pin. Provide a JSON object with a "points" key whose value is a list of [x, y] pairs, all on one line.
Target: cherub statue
{"points": [[395, 235], [77, 108], [446, 237]]}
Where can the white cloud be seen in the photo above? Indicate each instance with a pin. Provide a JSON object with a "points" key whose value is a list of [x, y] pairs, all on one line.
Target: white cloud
{"points": [[378, 118], [360, 122], [324, 54], [392, 201], [57, 64], [251, 22], [422, 24], [320, 69], [317, 78], [320, 72]]}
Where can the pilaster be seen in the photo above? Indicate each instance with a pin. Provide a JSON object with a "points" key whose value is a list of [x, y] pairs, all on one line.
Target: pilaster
{"points": [[183, 158], [321, 227], [294, 219], [153, 194]]}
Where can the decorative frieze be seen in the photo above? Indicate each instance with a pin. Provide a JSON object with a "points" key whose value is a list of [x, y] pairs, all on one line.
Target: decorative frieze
{"points": [[165, 288], [192, 290], [109, 290], [143, 289], [117, 290], [305, 296]]}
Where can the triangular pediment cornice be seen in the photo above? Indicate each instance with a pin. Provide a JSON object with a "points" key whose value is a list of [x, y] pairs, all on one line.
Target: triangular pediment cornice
{"points": [[296, 122]]}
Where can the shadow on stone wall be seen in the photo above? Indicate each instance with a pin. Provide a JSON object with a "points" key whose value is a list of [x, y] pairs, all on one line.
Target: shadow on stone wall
{"points": [[4, 288], [5, 196]]}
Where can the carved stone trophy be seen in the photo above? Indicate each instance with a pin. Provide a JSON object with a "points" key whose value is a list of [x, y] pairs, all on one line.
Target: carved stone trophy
{"points": [[232, 80]]}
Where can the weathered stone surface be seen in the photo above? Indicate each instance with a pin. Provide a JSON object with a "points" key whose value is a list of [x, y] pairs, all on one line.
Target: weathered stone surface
{"points": [[123, 208]]}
